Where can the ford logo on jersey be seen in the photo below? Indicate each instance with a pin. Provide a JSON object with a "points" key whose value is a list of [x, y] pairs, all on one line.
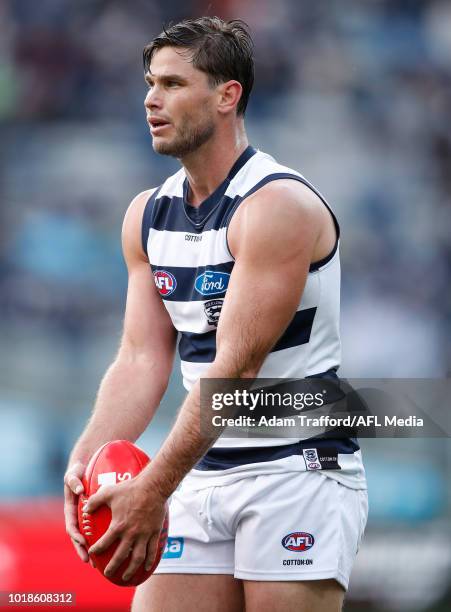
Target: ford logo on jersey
{"points": [[210, 283], [165, 282], [298, 541]]}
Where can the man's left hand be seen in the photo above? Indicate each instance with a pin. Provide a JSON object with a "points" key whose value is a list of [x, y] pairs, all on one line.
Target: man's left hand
{"points": [[137, 518]]}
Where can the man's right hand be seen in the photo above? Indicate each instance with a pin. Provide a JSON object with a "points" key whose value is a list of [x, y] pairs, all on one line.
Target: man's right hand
{"points": [[72, 489]]}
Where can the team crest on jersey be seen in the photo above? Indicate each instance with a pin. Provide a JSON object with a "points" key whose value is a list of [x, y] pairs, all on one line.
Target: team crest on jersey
{"points": [[212, 310], [165, 282], [210, 282], [311, 459]]}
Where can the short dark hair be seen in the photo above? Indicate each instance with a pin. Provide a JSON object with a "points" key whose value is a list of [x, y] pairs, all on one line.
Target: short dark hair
{"points": [[221, 49]]}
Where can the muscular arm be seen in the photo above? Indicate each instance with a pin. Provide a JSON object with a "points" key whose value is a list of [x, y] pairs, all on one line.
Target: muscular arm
{"points": [[134, 384]]}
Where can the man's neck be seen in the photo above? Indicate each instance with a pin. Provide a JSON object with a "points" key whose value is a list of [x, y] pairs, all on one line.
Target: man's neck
{"points": [[208, 167]]}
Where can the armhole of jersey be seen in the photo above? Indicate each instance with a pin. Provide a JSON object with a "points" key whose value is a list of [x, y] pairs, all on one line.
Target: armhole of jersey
{"points": [[147, 219], [285, 175]]}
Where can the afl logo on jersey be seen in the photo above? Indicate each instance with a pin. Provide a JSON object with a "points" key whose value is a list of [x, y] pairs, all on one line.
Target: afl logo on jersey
{"points": [[165, 282], [211, 283], [298, 541]]}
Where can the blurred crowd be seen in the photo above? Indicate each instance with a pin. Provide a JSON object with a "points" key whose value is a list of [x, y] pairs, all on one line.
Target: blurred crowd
{"points": [[355, 95]]}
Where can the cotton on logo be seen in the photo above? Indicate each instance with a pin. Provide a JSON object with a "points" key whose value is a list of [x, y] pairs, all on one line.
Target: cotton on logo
{"points": [[298, 541], [165, 282], [111, 478]]}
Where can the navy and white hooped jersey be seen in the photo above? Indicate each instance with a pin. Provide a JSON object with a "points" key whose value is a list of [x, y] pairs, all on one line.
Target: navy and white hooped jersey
{"points": [[191, 263]]}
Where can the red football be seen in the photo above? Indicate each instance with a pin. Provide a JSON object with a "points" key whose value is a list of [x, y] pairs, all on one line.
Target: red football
{"points": [[113, 463]]}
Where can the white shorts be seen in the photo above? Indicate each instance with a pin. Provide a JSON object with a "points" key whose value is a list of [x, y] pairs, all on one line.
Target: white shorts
{"points": [[284, 526]]}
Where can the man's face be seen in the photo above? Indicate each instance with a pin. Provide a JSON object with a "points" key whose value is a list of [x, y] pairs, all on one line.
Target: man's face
{"points": [[179, 103]]}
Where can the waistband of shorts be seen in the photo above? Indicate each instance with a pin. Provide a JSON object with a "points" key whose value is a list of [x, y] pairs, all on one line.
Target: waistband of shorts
{"points": [[226, 458]]}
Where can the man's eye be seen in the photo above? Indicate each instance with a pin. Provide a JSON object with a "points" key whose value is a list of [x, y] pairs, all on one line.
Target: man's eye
{"points": [[172, 83]]}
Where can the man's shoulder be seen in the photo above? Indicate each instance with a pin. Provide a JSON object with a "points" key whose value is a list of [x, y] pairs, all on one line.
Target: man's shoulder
{"points": [[138, 203], [282, 201], [261, 169], [267, 160], [170, 186], [281, 211], [275, 189]]}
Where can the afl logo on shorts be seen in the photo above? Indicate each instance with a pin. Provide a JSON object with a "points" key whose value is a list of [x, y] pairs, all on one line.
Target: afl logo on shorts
{"points": [[165, 282], [298, 541]]}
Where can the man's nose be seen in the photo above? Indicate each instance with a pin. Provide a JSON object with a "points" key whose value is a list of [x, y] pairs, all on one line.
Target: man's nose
{"points": [[152, 99]]}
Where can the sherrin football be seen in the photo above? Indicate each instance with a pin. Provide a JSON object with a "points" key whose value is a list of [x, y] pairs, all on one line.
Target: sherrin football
{"points": [[113, 463]]}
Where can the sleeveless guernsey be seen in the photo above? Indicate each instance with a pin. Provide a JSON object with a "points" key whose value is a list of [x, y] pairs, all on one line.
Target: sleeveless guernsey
{"points": [[191, 263]]}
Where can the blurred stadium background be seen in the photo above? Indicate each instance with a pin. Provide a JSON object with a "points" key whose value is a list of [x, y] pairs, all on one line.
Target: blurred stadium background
{"points": [[357, 96]]}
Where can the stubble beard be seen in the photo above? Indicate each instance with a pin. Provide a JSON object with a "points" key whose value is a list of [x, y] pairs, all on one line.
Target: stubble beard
{"points": [[187, 140]]}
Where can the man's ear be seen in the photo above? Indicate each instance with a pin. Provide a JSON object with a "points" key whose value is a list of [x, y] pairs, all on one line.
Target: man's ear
{"points": [[229, 95]]}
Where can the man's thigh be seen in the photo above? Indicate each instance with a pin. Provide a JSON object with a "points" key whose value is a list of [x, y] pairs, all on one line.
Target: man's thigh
{"points": [[223, 593], [306, 596], [181, 592]]}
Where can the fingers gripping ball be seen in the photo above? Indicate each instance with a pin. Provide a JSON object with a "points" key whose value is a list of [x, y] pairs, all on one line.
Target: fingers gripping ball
{"points": [[113, 463]]}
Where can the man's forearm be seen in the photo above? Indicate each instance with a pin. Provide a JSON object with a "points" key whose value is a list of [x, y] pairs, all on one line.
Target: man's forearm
{"points": [[188, 441], [183, 447], [128, 397]]}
